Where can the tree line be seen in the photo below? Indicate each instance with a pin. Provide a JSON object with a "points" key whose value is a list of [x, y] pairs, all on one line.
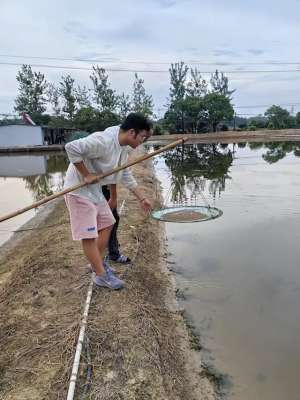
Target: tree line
{"points": [[194, 104]]}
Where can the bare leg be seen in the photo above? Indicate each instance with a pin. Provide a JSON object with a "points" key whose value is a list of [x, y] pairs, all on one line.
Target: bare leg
{"points": [[94, 249], [103, 238], [91, 250]]}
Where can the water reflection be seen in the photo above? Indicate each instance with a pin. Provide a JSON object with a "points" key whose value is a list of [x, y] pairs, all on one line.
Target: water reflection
{"points": [[192, 165], [52, 180], [41, 173], [239, 275], [195, 168], [24, 179], [278, 150]]}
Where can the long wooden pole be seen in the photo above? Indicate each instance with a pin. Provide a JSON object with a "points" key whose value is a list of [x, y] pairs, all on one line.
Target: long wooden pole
{"points": [[101, 176]]}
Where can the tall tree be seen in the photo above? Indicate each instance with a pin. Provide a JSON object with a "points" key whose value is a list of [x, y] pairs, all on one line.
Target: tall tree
{"points": [[178, 73], [218, 108], [105, 97], [32, 92], [219, 83], [197, 86], [124, 105], [278, 118], [68, 96], [54, 98], [82, 95], [141, 102], [297, 118]]}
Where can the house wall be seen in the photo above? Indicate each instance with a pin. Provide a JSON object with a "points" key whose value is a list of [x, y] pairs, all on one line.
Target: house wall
{"points": [[20, 135]]}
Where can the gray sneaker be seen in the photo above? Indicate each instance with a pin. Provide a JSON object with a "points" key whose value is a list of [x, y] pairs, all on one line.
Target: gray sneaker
{"points": [[108, 280], [107, 267]]}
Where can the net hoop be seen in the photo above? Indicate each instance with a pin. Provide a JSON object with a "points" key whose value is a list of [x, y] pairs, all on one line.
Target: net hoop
{"points": [[176, 214]]}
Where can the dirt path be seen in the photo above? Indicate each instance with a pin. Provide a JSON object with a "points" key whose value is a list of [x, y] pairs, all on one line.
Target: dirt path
{"points": [[140, 348], [280, 135]]}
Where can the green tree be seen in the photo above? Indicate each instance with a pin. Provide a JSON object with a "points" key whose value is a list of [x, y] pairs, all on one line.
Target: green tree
{"points": [[217, 108], [258, 122], [174, 117], [141, 102], [54, 99], [32, 92], [86, 119], [178, 74], [194, 113], [105, 97], [68, 96], [91, 120], [278, 118], [82, 96], [197, 86], [297, 118], [124, 105], [219, 84]]}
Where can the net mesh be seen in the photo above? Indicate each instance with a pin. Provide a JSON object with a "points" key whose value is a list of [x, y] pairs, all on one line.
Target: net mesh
{"points": [[187, 214]]}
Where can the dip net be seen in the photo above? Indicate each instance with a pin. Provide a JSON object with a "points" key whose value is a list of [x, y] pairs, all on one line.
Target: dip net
{"points": [[178, 206], [186, 213]]}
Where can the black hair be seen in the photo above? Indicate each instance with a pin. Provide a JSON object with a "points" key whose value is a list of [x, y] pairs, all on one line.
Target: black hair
{"points": [[136, 121]]}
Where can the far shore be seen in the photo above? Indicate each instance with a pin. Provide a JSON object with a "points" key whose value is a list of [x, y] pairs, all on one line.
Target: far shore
{"points": [[205, 138]]}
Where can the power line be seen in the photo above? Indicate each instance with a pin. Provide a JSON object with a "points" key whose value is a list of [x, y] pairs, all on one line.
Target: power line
{"points": [[196, 62], [267, 105], [146, 70]]}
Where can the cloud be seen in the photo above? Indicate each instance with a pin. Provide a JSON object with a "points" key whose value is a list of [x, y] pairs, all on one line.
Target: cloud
{"points": [[256, 52], [161, 31], [226, 52]]}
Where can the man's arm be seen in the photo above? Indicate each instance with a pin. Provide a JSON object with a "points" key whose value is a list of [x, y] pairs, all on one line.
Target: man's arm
{"points": [[88, 177], [113, 200], [145, 203]]}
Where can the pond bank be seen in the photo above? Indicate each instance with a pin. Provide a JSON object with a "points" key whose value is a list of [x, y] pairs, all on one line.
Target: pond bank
{"points": [[140, 346]]}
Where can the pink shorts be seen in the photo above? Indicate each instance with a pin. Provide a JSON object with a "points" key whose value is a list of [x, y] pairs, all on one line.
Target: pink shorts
{"points": [[87, 218]]}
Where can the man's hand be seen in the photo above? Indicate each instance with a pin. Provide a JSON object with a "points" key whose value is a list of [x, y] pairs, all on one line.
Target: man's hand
{"points": [[146, 205], [91, 178]]}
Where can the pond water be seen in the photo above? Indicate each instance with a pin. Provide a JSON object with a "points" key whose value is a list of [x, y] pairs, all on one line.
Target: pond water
{"points": [[239, 275], [25, 179]]}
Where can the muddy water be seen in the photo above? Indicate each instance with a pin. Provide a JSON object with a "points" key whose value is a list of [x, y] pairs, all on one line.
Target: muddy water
{"points": [[25, 179], [239, 275]]}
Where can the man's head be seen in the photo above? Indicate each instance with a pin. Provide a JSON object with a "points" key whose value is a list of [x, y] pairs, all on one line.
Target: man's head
{"points": [[136, 129]]}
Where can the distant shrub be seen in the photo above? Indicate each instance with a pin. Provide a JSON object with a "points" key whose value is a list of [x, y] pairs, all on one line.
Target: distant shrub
{"points": [[76, 135], [157, 130], [224, 128]]}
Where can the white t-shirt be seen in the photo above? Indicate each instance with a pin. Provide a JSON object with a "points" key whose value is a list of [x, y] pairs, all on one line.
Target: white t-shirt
{"points": [[101, 152]]}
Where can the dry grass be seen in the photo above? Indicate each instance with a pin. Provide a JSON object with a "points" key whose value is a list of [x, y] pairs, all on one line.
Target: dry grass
{"points": [[135, 340]]}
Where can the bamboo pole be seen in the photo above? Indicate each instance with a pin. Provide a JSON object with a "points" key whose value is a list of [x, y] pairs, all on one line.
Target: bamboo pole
{"points": [[101, 176]]}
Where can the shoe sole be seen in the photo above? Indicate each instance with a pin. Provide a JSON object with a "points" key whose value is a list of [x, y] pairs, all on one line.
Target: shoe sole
{"points": [[109, 287]]}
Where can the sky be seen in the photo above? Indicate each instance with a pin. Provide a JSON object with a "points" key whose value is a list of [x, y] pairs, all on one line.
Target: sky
{"points": [[229, 35]]}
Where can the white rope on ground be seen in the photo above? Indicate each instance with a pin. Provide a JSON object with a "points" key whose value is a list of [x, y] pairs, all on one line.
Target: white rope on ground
{"points": [[121, 212], [73, 378]]}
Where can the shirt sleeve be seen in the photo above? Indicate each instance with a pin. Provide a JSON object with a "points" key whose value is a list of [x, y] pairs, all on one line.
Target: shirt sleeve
{"points": [[92, 146], [128, 180]]}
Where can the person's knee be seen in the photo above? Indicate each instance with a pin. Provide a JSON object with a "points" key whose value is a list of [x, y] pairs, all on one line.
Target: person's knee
{"points": [[107, 229], [88, 244]]}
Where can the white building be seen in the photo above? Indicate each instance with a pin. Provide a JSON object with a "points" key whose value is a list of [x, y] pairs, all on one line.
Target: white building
{"points": [[21, 135]]}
